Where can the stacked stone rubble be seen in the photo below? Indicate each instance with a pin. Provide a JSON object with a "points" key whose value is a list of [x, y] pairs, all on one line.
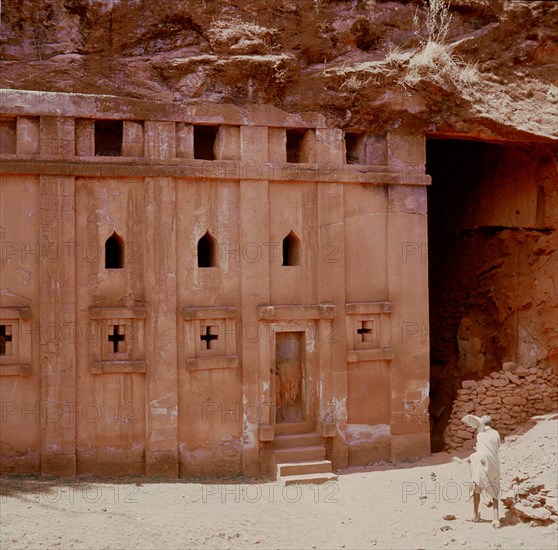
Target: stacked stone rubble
{"points": [[531, 503], [510, 396]]}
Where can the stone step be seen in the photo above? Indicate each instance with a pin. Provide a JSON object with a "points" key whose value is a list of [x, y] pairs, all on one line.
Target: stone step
{"points": [[297, 440], [283, 428], [304, 467], [315, 479], [299, 454]]}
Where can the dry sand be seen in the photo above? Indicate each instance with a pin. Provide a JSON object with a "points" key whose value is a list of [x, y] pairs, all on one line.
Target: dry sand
{"points": [[390, 506]]}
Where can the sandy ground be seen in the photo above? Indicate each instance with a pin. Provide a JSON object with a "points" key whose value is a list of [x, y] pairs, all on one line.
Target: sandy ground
{"points": [[391, 506]]}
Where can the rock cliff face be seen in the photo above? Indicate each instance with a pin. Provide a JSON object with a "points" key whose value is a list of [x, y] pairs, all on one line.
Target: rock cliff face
{"points": [[492, 264], [363, 63]]}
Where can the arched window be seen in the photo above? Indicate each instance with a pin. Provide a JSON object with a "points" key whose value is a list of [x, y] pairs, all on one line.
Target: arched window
{"points": [[114, 252], [207, 251], [291, 250]]}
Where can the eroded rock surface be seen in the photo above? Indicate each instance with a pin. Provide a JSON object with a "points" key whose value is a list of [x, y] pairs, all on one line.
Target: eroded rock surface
{"points": [[361, 63]]}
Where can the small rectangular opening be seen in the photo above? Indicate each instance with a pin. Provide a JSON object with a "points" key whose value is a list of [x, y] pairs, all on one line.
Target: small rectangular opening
{"points": [[204, 142], [295, 139], [108, 138], [354, 153], [8, 134]]}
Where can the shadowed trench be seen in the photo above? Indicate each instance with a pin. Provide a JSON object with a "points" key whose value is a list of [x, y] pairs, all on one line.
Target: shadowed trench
{"points": [[486, 212]]}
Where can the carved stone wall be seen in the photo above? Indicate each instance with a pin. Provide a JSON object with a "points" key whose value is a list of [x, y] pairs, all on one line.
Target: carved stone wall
{"points": [[151, 254]]}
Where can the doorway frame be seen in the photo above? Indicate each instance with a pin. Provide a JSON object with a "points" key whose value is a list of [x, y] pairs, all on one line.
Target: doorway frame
{"points": [[309, 365]]}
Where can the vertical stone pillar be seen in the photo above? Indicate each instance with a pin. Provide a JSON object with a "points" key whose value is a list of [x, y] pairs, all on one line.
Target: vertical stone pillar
{"points": [[161, 349], [160, 140], [85, 137], [406, 152], [407, 238], [375, 150], [227, 143], [57, 317], [331, 282], [254, 228], [309, 145], [277, 144], [57, 137], [132, 139], [184, 140], [161, 354]]}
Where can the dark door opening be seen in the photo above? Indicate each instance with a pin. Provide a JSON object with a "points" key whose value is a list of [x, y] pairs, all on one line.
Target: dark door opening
{"points": [[486, 214]]}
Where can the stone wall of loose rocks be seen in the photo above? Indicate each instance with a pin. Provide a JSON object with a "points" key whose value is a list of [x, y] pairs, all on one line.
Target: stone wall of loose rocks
{"points": [[510, 396]]}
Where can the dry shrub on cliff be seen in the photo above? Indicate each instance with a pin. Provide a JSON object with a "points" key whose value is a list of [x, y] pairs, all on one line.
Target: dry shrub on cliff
{"points": [[438, 20], [435, 60], [395, 56], [231, 35], [355, 83]]}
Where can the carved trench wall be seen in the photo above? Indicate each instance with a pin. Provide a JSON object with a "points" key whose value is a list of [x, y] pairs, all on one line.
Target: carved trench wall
{"points": [[493, 260]]}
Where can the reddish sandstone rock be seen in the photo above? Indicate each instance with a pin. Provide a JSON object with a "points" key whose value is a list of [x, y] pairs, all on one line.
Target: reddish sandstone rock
{"points": [[551, 504], [512, 377], [513, 400], [526, 511], [521, 371]]}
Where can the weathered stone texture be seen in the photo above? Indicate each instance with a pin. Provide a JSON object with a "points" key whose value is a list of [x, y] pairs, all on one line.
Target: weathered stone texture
{"points": [[190, 312], [503, 401]]}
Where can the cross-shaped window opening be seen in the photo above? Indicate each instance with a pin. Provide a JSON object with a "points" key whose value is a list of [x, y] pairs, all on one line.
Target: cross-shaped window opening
{"points": [[116, 338], [365, 331], [211, 333], [5, 337]]}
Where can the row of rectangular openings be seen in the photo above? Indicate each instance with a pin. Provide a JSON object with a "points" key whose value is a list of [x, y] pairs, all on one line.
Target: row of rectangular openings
{"points": [[108, 138], [108, 141], [109, 135], [360, 148], [299, 143]]}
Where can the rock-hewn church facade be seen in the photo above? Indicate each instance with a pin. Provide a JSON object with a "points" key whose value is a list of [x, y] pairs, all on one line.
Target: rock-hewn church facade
{"points": [[207, 291]]}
